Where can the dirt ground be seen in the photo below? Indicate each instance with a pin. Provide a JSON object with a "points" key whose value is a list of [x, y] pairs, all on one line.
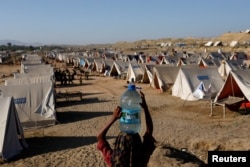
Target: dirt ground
{"points": [[184, 131]]}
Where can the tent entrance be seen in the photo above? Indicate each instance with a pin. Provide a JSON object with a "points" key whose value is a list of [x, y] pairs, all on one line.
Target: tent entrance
{"points": [[230, 102]]}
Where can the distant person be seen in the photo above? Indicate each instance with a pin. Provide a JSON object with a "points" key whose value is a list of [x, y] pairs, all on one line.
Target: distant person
{"points": [[129, 150], [63, 78]]}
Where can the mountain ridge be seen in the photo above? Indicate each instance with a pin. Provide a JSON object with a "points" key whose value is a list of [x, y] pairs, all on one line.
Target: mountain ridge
{"points": [[19, 43]]}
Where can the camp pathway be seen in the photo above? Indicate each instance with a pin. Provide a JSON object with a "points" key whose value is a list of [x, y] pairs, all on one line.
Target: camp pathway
{"points": [[72, 142], [180, 124]]}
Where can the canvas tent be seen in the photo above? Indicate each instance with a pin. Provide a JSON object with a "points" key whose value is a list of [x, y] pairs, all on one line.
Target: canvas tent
{"points": [[147, 72], [119, 68], [209, 62], [135, 72], [237, 84], [216, 55], [193, 83], [173, 60], [31, 57], [228, 65], [164, 76], [28, 80], [35, 103], [12, 140], [98, 65], [33, 62], [209, 43], [36, 68], [218, 43], [234, 43], [33, 74]]}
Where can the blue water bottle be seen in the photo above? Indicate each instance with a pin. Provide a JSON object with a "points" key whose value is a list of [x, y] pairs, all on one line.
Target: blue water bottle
{"points": [[130, 121]]}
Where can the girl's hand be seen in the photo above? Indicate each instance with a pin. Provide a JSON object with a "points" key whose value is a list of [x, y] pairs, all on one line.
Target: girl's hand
{"points": [[117, 113], [143, 103]]}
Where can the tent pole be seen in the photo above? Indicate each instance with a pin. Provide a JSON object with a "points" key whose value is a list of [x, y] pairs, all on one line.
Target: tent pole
{"points": [[211, 112], [232, 83]]}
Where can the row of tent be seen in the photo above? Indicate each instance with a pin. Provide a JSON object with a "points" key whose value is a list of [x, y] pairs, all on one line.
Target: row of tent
{"points": [[116, 67], [189, 82], [223, 61], [189, 76], [28, 101], [173, 57], [219, 43], [192, 83]]}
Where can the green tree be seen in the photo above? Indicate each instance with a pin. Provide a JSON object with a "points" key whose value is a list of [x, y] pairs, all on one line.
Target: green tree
{"points": [[9, 45]]}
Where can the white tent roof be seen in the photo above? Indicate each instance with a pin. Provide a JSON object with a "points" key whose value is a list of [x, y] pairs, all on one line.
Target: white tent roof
{"points": [[164, 76], [237, 84], [32, 57], [27, 62], [135, 72], [11, 133], [228, 65], [27, 75], [28, 80], [35, 103], [234, 43], [209, 43], [120, 67], [189, 79], [148, 72], [36, 68]]}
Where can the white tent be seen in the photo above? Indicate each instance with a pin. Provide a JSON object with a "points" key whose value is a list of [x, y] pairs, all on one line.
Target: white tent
{"points": [[237, 84], [173, 60], [234, 43], [31, 57], [36, 68], [12, 140], [235, 93], [98, 65], [28, 80], [61, 56], [35, 103], [148, 72], [218, 43], [228, 65], [204, 62], [209, 43], [33, 74], [107, 65], [193, 83], [33, 62], [164, 76], [135, 72], [119, 68]]}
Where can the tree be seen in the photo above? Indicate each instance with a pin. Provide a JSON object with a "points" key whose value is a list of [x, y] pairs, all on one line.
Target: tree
{"points": [[9, 44], [31, 48]]}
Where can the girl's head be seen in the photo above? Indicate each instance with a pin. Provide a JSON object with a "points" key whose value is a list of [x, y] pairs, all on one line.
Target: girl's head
{"points": [[128, 151]]}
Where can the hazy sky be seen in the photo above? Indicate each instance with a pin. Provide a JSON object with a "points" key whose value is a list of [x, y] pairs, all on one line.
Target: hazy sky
{"points": [[110, 21]]}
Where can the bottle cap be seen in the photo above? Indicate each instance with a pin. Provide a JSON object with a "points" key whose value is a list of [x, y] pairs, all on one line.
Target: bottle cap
{"points": [[131, 87]]}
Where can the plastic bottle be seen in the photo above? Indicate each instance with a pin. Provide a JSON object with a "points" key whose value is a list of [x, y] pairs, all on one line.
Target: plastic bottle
{"points": [[130, 122]]}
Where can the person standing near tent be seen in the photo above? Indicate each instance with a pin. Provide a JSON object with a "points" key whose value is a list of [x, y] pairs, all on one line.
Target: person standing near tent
{"points": [[129, 150]]}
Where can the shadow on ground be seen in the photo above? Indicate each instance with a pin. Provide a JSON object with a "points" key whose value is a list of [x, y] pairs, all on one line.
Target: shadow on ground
{"points": [[74, 116], [183, 156], [58, 85], [77, 101], [48, 144]]}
